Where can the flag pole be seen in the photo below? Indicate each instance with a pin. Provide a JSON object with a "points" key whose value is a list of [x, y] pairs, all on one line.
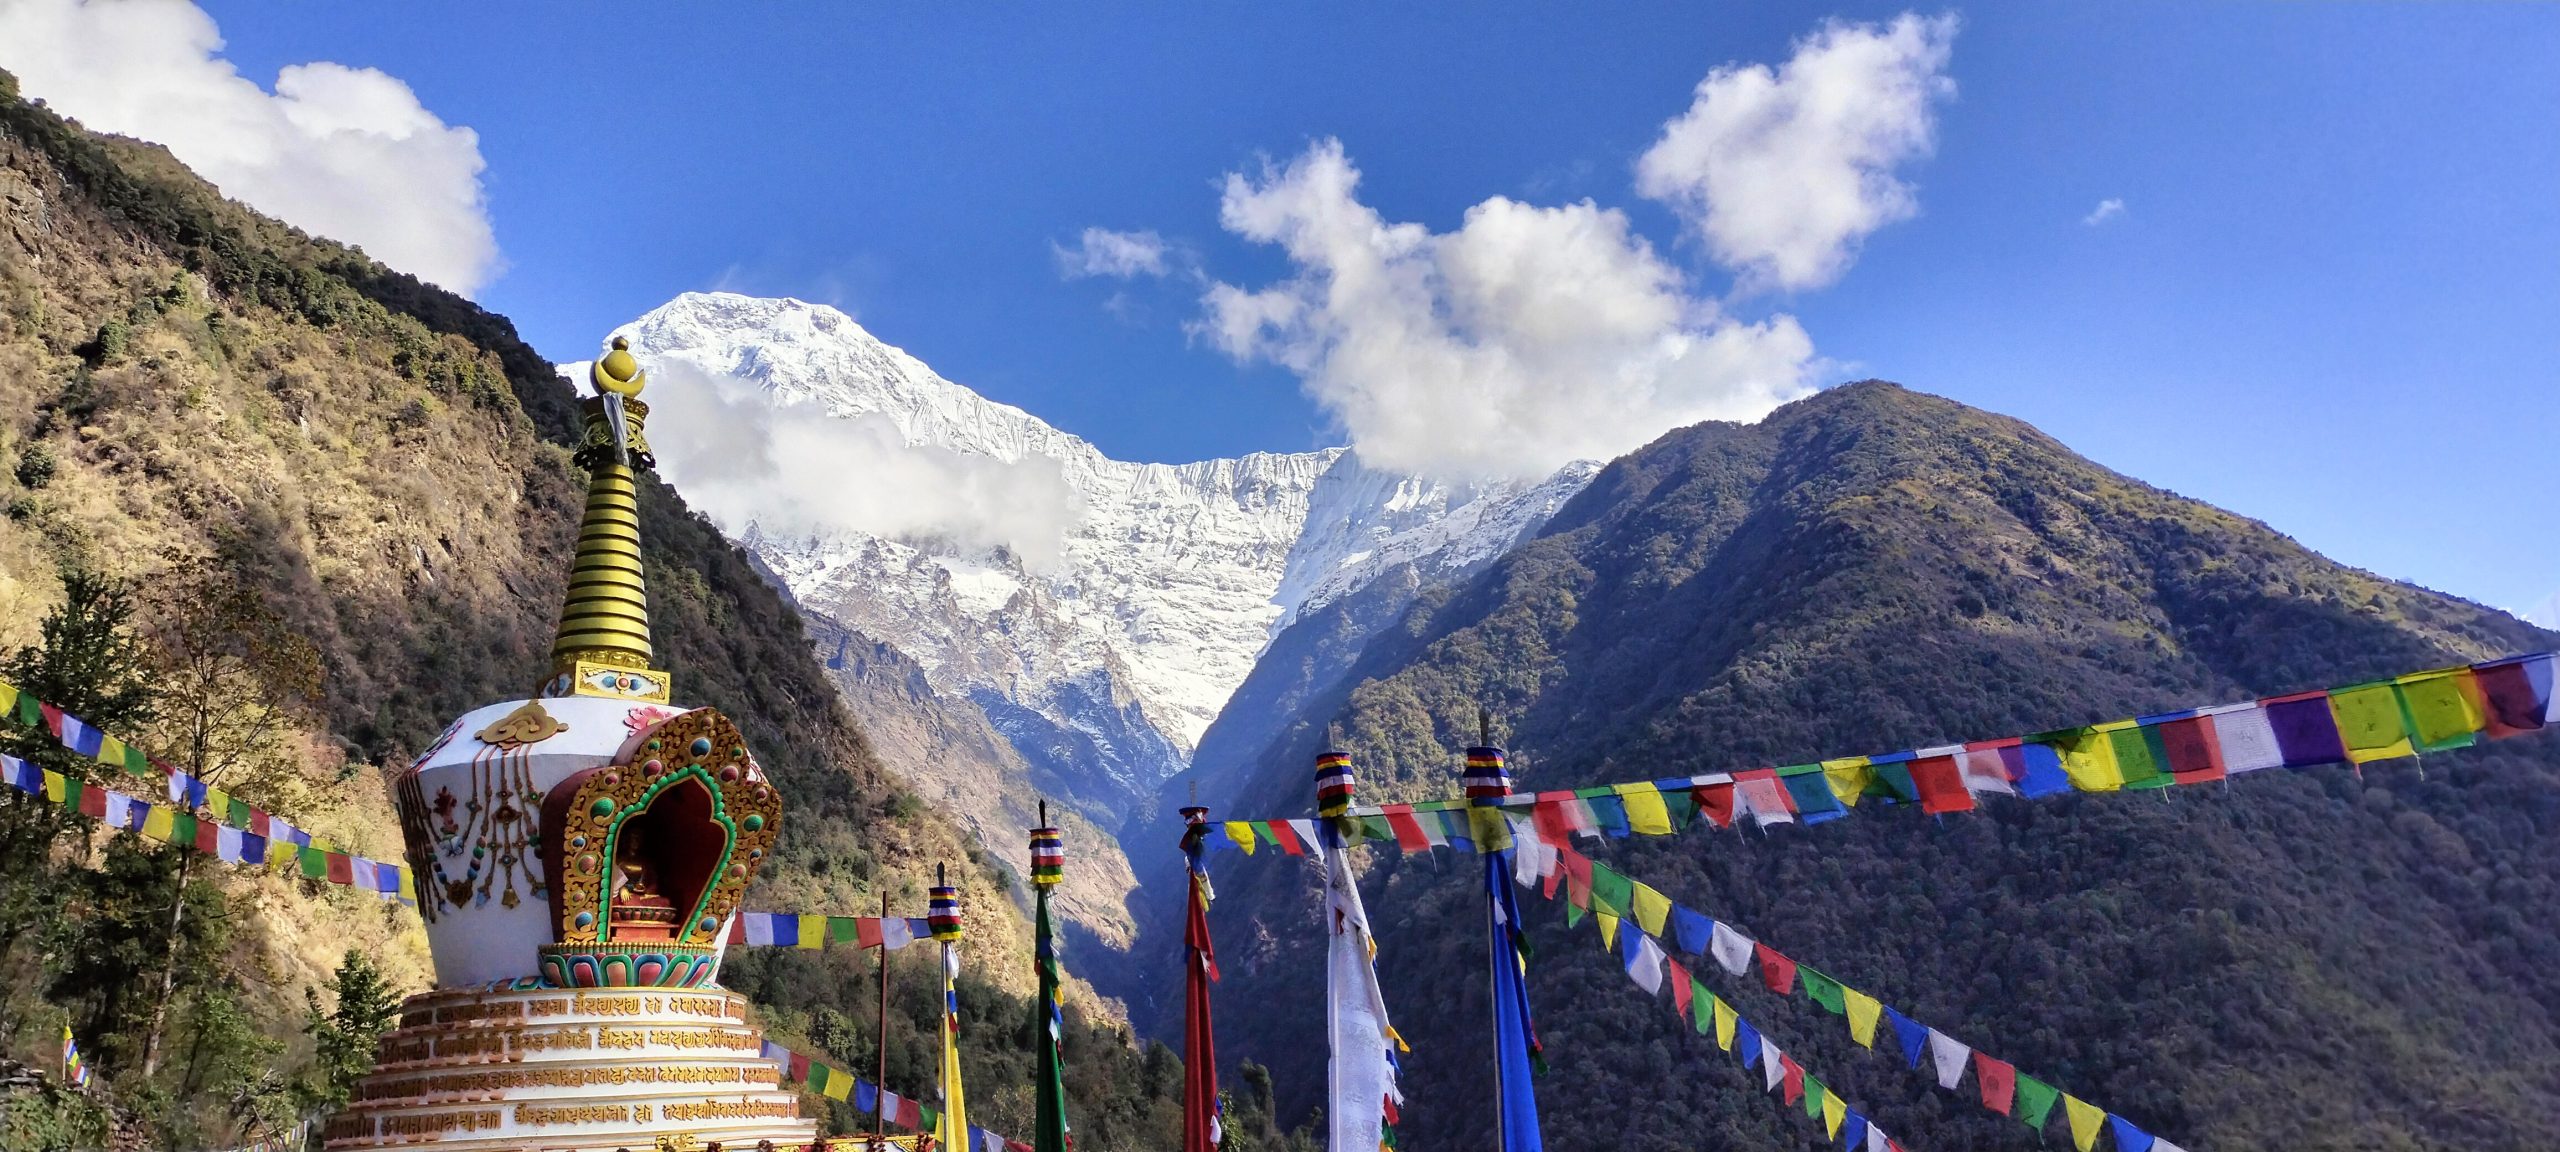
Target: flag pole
{"points": [[879, 1123], [1493, 946]]}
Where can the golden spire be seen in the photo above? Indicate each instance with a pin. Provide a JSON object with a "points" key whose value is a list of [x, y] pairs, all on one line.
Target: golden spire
{"points": [[603, 645]]}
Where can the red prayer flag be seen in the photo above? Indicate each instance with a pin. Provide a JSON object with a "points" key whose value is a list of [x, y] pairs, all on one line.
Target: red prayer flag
{"points": [[866, 932], [1794, 1083], [1999, 1080], [208, 837], [1287, 838], [340, 871], [738, 928], [1680, 987], [2195, 751], [910, 1113], [1554, 823], [52, 719], [1941, 786], [1715, 802], [2512, 700], [1779, 971], [1409, 834], [799, 1068], [93, 802]]}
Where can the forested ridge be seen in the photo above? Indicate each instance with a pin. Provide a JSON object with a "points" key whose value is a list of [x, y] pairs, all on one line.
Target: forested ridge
{"points": [[204, 406], [2317, 959]]}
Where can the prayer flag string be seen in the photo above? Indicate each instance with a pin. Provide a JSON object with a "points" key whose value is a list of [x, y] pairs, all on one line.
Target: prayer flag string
{"points": [[1634, 911], [2431, 711]]}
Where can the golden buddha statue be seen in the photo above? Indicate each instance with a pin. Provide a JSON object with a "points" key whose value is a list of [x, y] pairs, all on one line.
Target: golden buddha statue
{"points": [[641, 908]]}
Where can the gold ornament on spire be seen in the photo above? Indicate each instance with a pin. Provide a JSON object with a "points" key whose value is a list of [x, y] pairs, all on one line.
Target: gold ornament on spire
{"points": [[602, 648]]}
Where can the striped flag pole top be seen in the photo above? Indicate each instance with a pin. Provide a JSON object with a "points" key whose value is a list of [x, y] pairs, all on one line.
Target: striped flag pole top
{"points": [[1334, 785], [942, 912], [1048, 1013], [1048, 857], [1487, 778]]}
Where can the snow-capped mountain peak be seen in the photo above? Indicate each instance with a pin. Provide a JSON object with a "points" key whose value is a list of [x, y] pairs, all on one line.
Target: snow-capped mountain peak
{"points": [[1103, 667]]}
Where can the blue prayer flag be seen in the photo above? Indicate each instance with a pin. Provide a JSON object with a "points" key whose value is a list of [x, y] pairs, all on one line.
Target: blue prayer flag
{"points": [[1913, 1036]]}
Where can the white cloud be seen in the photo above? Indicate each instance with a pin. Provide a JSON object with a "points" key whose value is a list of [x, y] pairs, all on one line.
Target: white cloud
{"points": [[793, 469], [1783, 173], [1120, 255], [346, 153], [1527, 338], [2107, 209]]}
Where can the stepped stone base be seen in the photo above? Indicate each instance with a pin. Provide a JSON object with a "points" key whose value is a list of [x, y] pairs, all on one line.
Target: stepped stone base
{"points": [[572, 1070]]}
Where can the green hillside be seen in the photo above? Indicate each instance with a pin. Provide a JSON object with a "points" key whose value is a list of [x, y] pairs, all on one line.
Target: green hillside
{"points": [[194, 397], [2311, 960]]}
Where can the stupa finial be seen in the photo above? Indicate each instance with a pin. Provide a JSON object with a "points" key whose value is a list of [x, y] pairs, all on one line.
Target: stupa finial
{"points": [[602, 648]]}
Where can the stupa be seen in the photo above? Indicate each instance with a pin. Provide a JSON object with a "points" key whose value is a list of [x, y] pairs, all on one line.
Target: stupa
{"points": [[579, 857]]}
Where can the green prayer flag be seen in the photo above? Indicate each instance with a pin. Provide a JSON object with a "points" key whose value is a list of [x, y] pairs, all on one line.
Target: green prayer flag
{"points": [[240, 814], [1702, 1006], [817, 1079], [844, 929], [2444, 709], [135, 762], [182, 828], [1377, 828], [1892, 782], [1813, 1093], [30, 711], [1823, 990], [2140, 761], [1573, 914], [1611, 890], [2035, 1100], [1681, 806], [315, 864]]}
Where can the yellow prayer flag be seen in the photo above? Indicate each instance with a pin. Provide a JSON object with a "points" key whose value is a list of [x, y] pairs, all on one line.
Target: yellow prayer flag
{"points": [[839, 1085], [1725, 1020], [1489, 829], [2089, 758], [323, 844], [1834, 1110], [1864, 1011], [8, 699], [1652, 908], [1608, 930], [2369, 721], [218, 802], [1645, 812], [1848, 778], [55, 785], [110, 750], [2085, 1118], [1241, 832], [159, 824], [813, 932], [408, 886]]}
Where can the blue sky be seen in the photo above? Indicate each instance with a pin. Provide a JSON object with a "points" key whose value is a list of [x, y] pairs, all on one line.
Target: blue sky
{"points": [[2330, 299]]}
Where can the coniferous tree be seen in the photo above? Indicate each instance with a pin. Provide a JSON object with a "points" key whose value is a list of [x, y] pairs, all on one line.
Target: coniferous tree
{"points": [[345, 1035]]}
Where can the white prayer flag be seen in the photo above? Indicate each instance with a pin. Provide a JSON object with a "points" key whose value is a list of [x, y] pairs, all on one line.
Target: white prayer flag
{"points": [[1985, 772], [2248, 743], [1772, 1063], [759, 928], [1951, 1056], [1361, 1076], [896, 932], [1732, 949], [1646, 966]]}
